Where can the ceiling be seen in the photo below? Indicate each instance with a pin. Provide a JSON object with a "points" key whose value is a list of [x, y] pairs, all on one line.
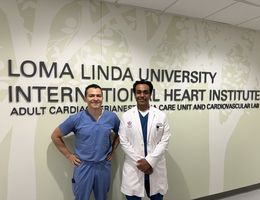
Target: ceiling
{"points": [[242, 13]]}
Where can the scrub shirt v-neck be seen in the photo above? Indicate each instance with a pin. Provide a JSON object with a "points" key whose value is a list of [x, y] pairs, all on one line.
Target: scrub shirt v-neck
{"points": [[92, 137]]}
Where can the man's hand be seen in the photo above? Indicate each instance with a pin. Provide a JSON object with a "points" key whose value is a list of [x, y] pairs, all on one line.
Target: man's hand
{"points": [[144, 166], [149, 171], [74, 159], [109, 156]]}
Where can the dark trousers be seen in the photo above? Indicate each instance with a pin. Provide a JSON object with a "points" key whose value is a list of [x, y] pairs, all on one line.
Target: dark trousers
{"points": [[157, 196]]}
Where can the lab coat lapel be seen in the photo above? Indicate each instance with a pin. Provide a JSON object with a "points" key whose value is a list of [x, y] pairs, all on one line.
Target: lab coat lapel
{"points": [[150, 122], [136, 118]]}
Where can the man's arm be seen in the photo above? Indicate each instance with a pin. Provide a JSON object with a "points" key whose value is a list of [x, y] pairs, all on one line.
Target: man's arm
{"points": [[114, 146], [161, 147], [126, 145], [59, 143]]}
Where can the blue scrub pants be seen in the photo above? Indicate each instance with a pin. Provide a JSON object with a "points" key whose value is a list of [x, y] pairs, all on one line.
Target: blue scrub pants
{"points": [[90, 176], [157, 196]]}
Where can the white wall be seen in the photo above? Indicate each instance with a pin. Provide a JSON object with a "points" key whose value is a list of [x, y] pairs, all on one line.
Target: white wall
{"points": [[211, 150]]}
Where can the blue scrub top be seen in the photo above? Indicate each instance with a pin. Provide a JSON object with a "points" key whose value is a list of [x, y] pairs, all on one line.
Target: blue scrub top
{"points": [[92, 138]]}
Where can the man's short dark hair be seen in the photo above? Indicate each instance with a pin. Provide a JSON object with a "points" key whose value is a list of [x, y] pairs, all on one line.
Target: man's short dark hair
{"points": [[92, 86], [142, 81]]}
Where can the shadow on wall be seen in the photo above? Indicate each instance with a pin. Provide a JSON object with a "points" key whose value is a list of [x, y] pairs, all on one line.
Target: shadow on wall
{"points": [[178, 189], [116, 176], [60, 168]]}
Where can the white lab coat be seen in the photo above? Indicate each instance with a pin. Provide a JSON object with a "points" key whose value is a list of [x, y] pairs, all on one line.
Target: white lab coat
{"points": [[131, 140]]}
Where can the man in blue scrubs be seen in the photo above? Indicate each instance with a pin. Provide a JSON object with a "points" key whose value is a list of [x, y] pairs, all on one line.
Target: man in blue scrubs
{"points": [[93, 129]]}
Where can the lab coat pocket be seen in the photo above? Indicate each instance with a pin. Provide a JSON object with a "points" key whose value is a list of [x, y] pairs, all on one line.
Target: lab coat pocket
{"points": [[159, 132]]}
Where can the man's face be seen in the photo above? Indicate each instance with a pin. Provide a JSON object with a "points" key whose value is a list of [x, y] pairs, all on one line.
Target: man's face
{"points": [[94, 98], [142, 95]]}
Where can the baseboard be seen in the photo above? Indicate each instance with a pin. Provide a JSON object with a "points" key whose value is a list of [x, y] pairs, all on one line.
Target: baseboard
{"points": [[230, 192]]}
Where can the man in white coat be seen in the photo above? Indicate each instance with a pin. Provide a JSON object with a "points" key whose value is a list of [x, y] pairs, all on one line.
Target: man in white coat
{"points": [[144, 135]]}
